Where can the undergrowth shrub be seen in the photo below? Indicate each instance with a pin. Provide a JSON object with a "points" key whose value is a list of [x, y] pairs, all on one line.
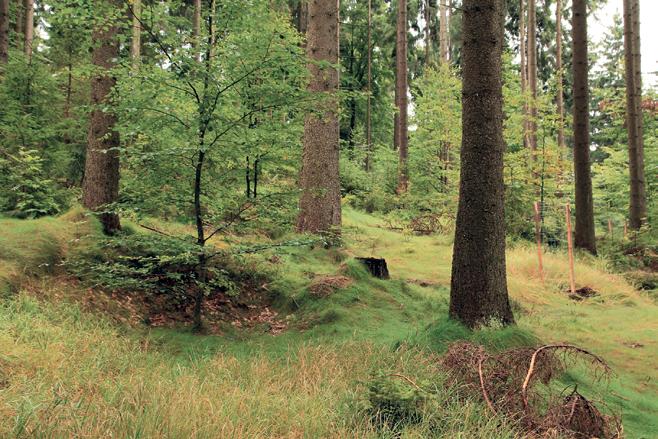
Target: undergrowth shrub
{"points": [[152, 264]]}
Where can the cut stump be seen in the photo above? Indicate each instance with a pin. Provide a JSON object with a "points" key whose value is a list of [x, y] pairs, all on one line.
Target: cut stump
{"points": [[377, 267]]}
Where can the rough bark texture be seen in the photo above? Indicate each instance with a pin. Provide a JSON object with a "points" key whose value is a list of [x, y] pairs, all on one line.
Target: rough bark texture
{"points": [[20, 23], [136, 41], [479, 285], [28, 28], [401, 96], [443, 31], [559, 75], [101, 181], [634, 122], [532, 75], [319, 204], [4, 31], [584, 235]]}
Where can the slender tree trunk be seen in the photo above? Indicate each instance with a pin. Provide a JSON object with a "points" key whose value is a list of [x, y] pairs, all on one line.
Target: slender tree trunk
{"points": [[532, 76], [29, 28], [4, 31], [319, 204], [20, 23], [559, 77], [443, 31], [479, 286], [428, 23], [634, 116], [523, 49], [401, 92], [101, 180], [196, 29], [368, 164], [584, 235], [136, 42]]}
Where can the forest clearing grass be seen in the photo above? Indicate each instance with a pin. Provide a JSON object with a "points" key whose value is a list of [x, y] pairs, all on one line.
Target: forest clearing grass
{"points": [[66, 372]]}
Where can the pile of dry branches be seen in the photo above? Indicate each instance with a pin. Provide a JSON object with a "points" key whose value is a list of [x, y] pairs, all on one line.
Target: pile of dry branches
{"points": [[515, 383]]}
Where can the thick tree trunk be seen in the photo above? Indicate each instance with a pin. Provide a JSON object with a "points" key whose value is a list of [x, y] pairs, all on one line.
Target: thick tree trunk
{"points": [[532, 75], [443, 31], [319, 204], [4, 31], [28, 28], [101, 180], [559, 76], [136, 41], [479, 286], [584, 236], [634, 117], [401, 93]]}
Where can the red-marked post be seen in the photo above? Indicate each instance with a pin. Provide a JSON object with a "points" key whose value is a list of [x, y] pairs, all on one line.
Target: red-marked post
{"points": [[538, 236], [572, 281]]}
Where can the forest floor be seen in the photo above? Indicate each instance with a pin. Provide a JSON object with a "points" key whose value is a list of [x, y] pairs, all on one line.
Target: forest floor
{"points": [[75, 364]]}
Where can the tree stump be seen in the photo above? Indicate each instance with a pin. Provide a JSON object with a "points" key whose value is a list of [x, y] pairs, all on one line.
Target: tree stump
{"points": [[377, 267]]}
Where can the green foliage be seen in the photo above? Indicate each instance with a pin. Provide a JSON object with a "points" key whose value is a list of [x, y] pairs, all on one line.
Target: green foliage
{"points": [[394, 403], [148, 264], [24, 188]]}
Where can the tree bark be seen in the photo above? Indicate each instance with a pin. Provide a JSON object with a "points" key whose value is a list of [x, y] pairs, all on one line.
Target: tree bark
{"points": [[401, 93], [20, 23], [559, 76], [443, 31], [136, 41], [478, 291], [28, 28], [319, 204], [4, 31], [584, 235], [634, 117], [101, 180]]}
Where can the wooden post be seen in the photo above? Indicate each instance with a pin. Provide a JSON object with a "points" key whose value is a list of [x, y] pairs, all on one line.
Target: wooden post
{"points": [[610, 228], [572, 282], [538, 235]]}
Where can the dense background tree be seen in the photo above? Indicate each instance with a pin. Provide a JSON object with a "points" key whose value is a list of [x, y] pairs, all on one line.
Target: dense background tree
{"points": [[101, 177], [478, 292], [585, 231]]}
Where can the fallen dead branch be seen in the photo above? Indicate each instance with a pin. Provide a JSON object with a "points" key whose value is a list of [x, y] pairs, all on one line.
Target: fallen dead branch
{"points": [[508, 382]]}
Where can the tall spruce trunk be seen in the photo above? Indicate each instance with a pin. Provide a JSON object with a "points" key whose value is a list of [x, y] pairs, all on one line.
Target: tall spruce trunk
{"points": [[585, 235], [28, 28], [478, 291], [634, 120], [319, 204], [101, 179], [401, 93], [4, 31], [559, 76]]}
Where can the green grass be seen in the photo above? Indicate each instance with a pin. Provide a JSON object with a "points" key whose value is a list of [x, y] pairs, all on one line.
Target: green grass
{"points": [[66, 372]]}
